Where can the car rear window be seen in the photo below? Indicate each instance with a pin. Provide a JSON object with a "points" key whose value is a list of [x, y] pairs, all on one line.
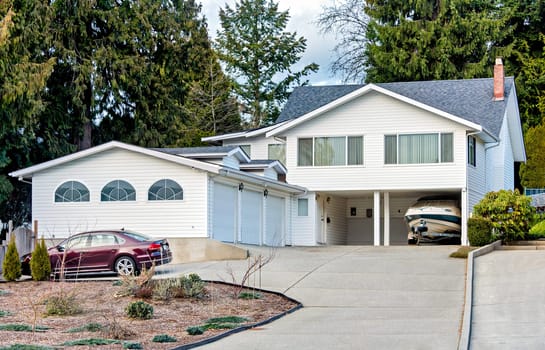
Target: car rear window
{"points": [[138, 236]]}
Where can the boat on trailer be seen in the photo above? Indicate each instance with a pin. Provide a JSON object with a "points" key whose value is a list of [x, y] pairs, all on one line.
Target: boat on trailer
{"points": [[434, 219]]}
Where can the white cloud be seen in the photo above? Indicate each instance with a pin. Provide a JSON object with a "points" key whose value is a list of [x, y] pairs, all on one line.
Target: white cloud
{"points": [[304, 14]]}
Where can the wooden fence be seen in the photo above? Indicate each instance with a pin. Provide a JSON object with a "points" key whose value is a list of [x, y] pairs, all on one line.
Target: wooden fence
{"points": [[24, 239]]}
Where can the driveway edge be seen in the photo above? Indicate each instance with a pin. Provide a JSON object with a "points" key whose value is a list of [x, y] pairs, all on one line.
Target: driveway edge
{"points": [[463, 343]]}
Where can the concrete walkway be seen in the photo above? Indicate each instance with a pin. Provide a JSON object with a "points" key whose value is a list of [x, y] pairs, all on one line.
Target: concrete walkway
{"points": [[509, 300], [355, 297]]}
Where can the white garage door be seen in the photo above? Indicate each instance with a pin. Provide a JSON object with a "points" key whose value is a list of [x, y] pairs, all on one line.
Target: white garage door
{"points": [[251, 217], [224, 212], [274, 232]]}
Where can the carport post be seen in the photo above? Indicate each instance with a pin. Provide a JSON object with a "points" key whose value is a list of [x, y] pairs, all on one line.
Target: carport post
{"points": [[386, 218], [376, 218]]}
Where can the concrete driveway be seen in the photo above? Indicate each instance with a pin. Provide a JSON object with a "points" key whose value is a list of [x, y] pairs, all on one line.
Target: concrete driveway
{"points": [[354, 297]]}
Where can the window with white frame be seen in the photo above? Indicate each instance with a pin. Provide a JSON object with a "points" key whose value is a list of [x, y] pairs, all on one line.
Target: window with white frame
{"points": [[330, 151], [118, 190], [72, 191], [247, 149], [165, 190], [302, 207], [472, 150], [277, 151], [418, 148]]}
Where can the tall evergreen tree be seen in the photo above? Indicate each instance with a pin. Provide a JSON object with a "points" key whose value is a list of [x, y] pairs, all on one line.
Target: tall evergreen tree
{"points": [[257, 50], [432, 39]]}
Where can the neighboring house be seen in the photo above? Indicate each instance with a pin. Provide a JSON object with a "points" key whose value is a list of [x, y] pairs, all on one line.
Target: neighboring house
{"points": [[215, 192], [365, 153]]}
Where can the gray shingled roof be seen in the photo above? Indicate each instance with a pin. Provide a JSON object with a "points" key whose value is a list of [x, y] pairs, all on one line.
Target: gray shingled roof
{"points": [[197, 150], [470, 99]]}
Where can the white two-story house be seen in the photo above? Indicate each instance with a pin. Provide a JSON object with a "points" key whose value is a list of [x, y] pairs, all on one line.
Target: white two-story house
{"points": [[365, 153]]}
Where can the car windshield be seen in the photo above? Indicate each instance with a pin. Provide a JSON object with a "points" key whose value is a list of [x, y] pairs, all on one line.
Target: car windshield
{"points": [[138, 236]]}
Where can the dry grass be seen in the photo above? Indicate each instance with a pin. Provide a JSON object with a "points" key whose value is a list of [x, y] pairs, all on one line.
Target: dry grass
{"points": [[24, 303]]}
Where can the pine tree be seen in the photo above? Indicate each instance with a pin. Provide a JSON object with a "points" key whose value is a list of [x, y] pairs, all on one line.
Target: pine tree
{"points": [[11, 266], [40, 266], [256, 48]]}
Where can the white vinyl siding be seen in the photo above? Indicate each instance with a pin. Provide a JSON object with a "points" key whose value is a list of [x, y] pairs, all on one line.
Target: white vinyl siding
{"points": [[377, 115], [187, 218]]}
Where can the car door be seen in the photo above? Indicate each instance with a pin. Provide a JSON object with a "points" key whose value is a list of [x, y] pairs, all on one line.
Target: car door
{"points": [[71, 254], [102, 252]]}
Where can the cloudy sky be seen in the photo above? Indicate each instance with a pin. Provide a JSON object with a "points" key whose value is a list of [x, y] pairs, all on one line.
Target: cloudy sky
{"points": [[304, 14]]}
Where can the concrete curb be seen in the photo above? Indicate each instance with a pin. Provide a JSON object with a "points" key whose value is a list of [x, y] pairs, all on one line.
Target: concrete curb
{"points": [[463, 343]]}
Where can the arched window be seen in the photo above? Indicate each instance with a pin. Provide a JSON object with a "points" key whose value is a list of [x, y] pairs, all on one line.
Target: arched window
{"points": [[118, 190], [165, 190], [72, 191]]}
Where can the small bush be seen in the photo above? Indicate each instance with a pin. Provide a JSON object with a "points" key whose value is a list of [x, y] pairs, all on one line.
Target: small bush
{"points": [[40, 266], [132, 345], [164, 338], [132, 285], [3, 292], [537, 231], [192, 286], [250, 295], [479, 231], [16, 327], [227, 319], [11, 267], [195, 330], [116, 330], [91, 341], [140, 310], [165, 289], [4, 313], [90, 327], [26, 347], [63, 304]]}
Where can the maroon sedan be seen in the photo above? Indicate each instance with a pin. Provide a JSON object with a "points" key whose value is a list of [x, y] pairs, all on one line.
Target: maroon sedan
{"points": [[119, 251]]}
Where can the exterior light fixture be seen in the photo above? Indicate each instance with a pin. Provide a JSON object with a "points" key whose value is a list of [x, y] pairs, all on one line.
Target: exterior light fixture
{"points": [[240, 186], [265, 193]]}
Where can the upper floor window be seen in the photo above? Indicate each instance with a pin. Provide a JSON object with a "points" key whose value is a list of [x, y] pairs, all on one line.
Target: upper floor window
{"points": [[472, 150], [165, 190], [418, 148], [72, 191], [247, 149], [330, 151], [118, 190], [278, 152]]}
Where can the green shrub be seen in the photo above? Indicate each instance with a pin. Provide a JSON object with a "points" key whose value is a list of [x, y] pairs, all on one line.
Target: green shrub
{"points": [[195, 330], [479, 231], [11, 267], [90, 327], [26, 347], [40, 266], [164, 338], [509, 212], [132, 345], [250, 295], [165, 289], [17, 327], [91, 341], [537, 231], [140, 310], [62, 304], [192, 286], [4, 313]]}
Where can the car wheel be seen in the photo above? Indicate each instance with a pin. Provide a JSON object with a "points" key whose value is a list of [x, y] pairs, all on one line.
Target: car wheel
{"points": [[125, 265]]}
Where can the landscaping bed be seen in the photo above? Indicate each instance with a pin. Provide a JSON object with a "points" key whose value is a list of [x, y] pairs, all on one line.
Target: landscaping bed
{"points": [[101, 315]]}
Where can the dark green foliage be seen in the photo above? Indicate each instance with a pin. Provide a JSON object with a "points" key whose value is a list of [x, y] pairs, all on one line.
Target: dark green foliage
{"points": [[249, 295], [509, 212], [195, 330], [479, 231], [4, 313], [62, 304], [164, 338], [40, 266], [132, 345], [140, 310], [227, 319], [257, 49], [11, 266], [91, 341], [26, 347], [532, 173], [90, 327], [192, 286], [22, 328]]}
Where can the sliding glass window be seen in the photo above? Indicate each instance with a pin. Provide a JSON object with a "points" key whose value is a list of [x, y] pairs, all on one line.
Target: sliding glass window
{"points": [[418, 148], [330, 151]]}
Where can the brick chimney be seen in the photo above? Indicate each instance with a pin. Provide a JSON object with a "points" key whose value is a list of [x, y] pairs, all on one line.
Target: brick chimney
{"points": [[498, 80]]}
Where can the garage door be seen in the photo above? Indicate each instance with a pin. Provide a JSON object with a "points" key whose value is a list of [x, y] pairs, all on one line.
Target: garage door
{"points": [[224, 212], [251, 217], [274, 232]]}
